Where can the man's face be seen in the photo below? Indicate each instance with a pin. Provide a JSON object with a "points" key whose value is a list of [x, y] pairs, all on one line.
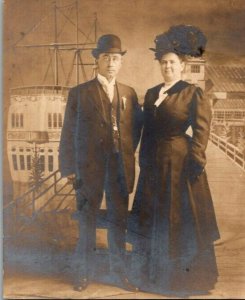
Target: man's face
{"points": [[109, 64], [171, 67]]}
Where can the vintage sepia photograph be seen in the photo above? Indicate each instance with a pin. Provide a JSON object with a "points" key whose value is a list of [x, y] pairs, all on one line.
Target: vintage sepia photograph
{"points": [[123, 149]]}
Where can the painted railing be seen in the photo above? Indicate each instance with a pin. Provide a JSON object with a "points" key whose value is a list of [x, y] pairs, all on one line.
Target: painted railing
{"points": [[230, 150], [35, 200]]}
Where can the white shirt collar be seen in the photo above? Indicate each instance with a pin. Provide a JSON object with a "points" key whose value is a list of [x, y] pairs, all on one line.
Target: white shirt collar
{"points": [[103, 80]]}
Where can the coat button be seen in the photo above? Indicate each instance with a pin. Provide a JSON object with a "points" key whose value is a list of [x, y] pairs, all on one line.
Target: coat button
{"points": [[101, 124], [101, 141]]}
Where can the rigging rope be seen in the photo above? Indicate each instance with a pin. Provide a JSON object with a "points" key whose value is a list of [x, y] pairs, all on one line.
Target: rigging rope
{"points": [[49, 65], [72, 66], [31, 30], [66, 20], [74, 25], [61, 62]]}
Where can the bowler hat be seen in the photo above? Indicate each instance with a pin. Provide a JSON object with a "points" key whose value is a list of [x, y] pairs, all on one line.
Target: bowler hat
{"points": [[108, 43]]}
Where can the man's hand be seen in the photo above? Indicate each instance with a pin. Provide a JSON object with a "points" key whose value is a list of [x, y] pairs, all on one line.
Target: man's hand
{"points": [[71, 178], [81, 200], [77, 184]]}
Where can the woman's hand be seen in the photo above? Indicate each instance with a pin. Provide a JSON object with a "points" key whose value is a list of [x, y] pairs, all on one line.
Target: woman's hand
{"points": [[194, 170]]}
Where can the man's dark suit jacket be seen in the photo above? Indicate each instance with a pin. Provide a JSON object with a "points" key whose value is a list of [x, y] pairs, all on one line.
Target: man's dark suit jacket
{"points": [[85, 130]]}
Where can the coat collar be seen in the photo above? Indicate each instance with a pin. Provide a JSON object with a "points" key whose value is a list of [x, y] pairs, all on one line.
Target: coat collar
{"points": [[176, 88]]}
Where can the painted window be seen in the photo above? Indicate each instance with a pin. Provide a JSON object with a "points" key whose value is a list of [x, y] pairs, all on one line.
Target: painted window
{"points": [[195, 69], [17, 120], [50, 163], [21, 120], [28, 162], [42, 163], [229, 114], [49, 120], [238, 114], [17, 123], [13, 120], [60, 120], [14, 158], [55, 120], [220, 114], [22, 162]]}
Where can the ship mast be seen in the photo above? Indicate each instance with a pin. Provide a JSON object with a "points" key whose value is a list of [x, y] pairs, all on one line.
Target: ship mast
{"points": [[77, 53], [76, 47], [95, 27], [56, 72]]}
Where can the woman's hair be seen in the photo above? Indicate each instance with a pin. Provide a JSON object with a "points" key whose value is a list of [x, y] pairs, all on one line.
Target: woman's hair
{"points": [[182, 57]]}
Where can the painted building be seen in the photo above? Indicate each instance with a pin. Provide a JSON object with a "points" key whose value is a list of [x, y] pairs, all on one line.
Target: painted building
{"points": [[35, 120], [225, 86]]}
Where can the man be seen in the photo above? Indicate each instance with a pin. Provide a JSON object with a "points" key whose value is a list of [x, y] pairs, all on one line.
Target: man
{"points": [[101, 131]]}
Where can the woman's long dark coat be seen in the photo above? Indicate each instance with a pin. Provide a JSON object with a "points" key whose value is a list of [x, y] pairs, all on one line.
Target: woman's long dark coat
{"points": [[176, 219]]}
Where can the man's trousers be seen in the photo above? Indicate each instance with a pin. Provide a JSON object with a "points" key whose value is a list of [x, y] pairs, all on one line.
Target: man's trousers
{"points": [[116, 219]]}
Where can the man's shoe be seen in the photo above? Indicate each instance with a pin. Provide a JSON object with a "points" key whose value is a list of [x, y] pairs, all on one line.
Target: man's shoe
{"points": [[126, 285], [81, 285]]}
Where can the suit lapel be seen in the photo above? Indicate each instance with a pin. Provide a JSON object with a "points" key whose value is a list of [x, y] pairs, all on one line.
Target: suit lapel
{"points": [[96, 98], [119, 90]]}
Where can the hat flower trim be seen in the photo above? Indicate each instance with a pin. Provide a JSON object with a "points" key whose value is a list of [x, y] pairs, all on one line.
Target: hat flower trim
{"points": [[181, 39]]}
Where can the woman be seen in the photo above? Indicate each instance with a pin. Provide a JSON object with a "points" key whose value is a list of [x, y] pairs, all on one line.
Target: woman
{"points": [[176, 221]]}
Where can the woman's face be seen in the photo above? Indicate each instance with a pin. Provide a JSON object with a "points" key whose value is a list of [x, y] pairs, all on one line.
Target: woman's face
{"points": [[171, 67]]}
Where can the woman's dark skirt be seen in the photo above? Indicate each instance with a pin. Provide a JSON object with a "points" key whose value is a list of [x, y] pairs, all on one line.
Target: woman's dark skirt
{"points": [[173, 226]]}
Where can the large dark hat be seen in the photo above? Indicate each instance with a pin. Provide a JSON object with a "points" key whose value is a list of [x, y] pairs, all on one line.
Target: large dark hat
{"points": [[108, 43], [182, 40]]}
